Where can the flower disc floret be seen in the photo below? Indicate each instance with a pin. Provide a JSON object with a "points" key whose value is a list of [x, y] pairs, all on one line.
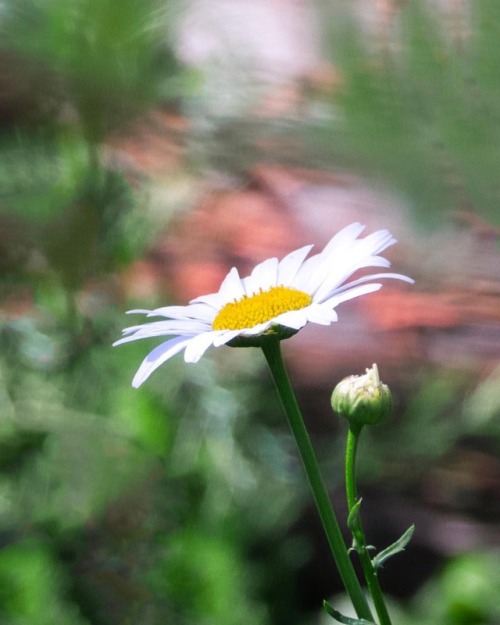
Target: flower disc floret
{"points": [[259, 308]]}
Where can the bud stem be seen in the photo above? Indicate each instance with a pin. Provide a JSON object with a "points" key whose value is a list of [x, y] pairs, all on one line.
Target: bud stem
{"points": [[357, 528], [272, 352]]}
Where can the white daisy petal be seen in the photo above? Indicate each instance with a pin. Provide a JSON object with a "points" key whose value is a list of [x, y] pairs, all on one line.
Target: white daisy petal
{"points": [[290, 264], [138, 311], [164, 328], [263, 277], [335, 269], [338, 277], [395, 276], [337, 259], [356, 291], [307, 275], [294, 319], [377, 242], [231, 288], [343, 239], [226, 336], [323, 315], [193, 311], [199, 345], [336, 254], [213, 300], [374, 261], [157, 357], [347, 286], [259, 328]]}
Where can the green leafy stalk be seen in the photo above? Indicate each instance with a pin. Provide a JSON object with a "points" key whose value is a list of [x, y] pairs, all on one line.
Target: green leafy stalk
{"points": [[356, 527], [272, 352]]}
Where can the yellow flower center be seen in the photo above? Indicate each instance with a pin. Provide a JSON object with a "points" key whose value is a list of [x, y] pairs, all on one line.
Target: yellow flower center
{"points": [[261, 307]]}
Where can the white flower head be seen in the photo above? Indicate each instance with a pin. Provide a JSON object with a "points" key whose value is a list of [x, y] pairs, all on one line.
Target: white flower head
{"points": [[278, 297]]}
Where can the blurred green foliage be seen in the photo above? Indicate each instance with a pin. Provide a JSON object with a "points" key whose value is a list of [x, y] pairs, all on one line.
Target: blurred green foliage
{"points": [[419, 110], [61, 221], [465, 593], [99, 68], [108, 63], [137, 506], [32, 587]]}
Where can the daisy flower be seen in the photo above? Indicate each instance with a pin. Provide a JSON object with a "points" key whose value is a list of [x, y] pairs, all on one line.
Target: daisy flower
{"points": [[279, 297]]}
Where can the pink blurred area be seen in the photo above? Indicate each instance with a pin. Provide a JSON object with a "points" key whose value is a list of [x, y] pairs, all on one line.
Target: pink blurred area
{"points": [[450, 316]]}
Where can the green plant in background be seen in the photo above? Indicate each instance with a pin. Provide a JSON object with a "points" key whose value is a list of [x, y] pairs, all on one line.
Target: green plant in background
{"points": [[110, 491], [107, 64], [69, 214], [419, 110], [33, 587], [464, 593]]}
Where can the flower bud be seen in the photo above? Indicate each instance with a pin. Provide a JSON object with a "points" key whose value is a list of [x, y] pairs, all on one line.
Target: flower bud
{"points": [[362, 399]]}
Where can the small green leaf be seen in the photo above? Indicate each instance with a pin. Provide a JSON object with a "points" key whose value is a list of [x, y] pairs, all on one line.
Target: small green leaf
{"points": [[396, 547], [353, 518], [346, 620]]}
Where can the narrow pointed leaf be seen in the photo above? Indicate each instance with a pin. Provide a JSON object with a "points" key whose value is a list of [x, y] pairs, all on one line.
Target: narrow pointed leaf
{"points": [[346, 620], [352, 519], [396, 547]]}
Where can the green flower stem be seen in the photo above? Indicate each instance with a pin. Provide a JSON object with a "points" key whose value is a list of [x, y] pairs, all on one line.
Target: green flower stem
{"points": [[272, 352], [356, 527]]}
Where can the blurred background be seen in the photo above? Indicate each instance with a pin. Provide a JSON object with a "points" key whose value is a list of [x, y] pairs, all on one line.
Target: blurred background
{"points": [[145, 149]]}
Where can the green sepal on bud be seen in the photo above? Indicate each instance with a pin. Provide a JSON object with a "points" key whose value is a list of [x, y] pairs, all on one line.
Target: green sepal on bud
{"points": [[362, 399]]}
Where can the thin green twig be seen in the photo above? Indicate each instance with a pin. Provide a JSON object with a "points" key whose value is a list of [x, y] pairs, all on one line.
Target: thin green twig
{"points": [[272, 352], [357, 528]]}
